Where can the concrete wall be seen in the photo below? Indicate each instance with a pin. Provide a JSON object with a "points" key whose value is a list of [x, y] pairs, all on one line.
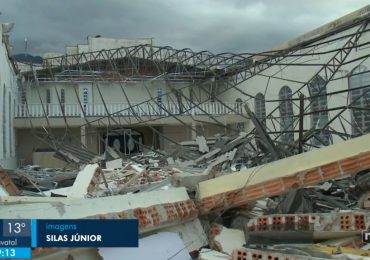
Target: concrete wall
{"points": [[175, 133], [28, 143], [97, 44], [47, 160], [8, 97]]}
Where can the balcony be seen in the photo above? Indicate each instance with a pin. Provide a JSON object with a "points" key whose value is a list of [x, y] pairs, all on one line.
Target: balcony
{"points": [[122, 109]]}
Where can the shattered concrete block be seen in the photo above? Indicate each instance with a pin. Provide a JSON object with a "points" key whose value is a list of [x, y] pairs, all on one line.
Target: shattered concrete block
{"points": [[117, 163], [188, 180], [352, 241], [209, 254], [191, 233], [207, 155], [224, 239], [112, 152], [202, 143], [254, 254], [154, 210], [215, 167], [87, 182], [170, 161], [7, 184], [308, 227], [350, 252], [280, 176]]}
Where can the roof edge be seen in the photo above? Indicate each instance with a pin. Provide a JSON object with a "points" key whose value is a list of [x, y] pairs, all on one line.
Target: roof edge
{"points": [[337, 24]]}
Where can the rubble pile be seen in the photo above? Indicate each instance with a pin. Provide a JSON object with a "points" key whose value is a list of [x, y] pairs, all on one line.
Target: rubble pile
{"points": [[206, 201]]}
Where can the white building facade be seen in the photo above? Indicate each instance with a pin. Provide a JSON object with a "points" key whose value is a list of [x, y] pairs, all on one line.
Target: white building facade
{"points": [[110, 84], [330, 66], [8, 104]]}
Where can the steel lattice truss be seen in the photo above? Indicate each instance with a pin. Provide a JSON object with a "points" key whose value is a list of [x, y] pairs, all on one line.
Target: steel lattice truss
{"points": [[200, 70]]}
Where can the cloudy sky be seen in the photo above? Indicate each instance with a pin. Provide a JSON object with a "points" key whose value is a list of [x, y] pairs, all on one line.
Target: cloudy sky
{"points": [[214, 25]]}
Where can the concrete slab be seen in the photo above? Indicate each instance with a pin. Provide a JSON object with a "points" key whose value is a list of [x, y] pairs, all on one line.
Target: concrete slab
{"points": [[188, 180], [191, 233], [202, 143], [87, 182], [154, 210], [224, 239], [114, 164], [209, 254], [300, 228], [280, 176]]}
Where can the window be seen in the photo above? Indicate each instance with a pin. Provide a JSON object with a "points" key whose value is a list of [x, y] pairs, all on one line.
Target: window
{"points": [[286, 114], [238, 106], [23, 96], [48, 100], [48, 96], [178, 94], [4, 122], [159, 95], [10, 125], [85, 97], [239, 110], [359, 83], [62, 98], [260, 108], [159, 100], [319, 106]]}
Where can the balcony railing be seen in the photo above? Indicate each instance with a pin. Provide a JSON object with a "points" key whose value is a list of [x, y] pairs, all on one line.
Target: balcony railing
{"points": [[121, 109]]}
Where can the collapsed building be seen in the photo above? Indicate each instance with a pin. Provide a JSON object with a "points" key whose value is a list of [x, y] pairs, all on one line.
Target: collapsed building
{"points": [[243, 156]]}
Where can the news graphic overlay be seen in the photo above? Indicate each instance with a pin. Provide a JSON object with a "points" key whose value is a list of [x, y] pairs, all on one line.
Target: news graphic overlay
{"points": [[87, 233], [15, 240], [19, 236]]}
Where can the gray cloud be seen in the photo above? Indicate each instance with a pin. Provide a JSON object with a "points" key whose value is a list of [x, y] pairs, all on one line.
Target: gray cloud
{"points": [[214, 25]]}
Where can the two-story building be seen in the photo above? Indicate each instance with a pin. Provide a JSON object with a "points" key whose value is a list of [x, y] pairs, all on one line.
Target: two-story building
{"points": [[132, 94]]}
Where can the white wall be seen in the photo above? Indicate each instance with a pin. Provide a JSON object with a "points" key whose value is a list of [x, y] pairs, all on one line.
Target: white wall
{"points": [[8, 85], [97, 44], [270, 81]]}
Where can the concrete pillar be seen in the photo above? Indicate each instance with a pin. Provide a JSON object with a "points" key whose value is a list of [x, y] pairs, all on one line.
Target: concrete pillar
{"points": [[193, 134], [83, 135]]}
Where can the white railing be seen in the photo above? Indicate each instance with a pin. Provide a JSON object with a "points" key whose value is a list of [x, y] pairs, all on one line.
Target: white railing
{"points": [[121, 109]]}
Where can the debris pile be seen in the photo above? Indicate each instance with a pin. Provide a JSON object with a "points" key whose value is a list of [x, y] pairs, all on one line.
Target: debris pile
{"points": [[313, 205]]}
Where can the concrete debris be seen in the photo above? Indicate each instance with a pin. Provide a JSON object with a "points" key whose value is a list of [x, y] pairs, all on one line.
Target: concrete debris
{"points": [[114, 164], [204, 199], [191, 233], [154, 210], [209, 254], [109, 150], [188, 180], [266, 254], [350, 252], [225, 240], [86, 182], [202, 142], [6, 184], [307, 227], [35, 178], [301, 170]]}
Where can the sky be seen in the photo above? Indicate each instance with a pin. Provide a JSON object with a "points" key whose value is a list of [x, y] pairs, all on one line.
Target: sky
{"points": [[215, 25]]}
